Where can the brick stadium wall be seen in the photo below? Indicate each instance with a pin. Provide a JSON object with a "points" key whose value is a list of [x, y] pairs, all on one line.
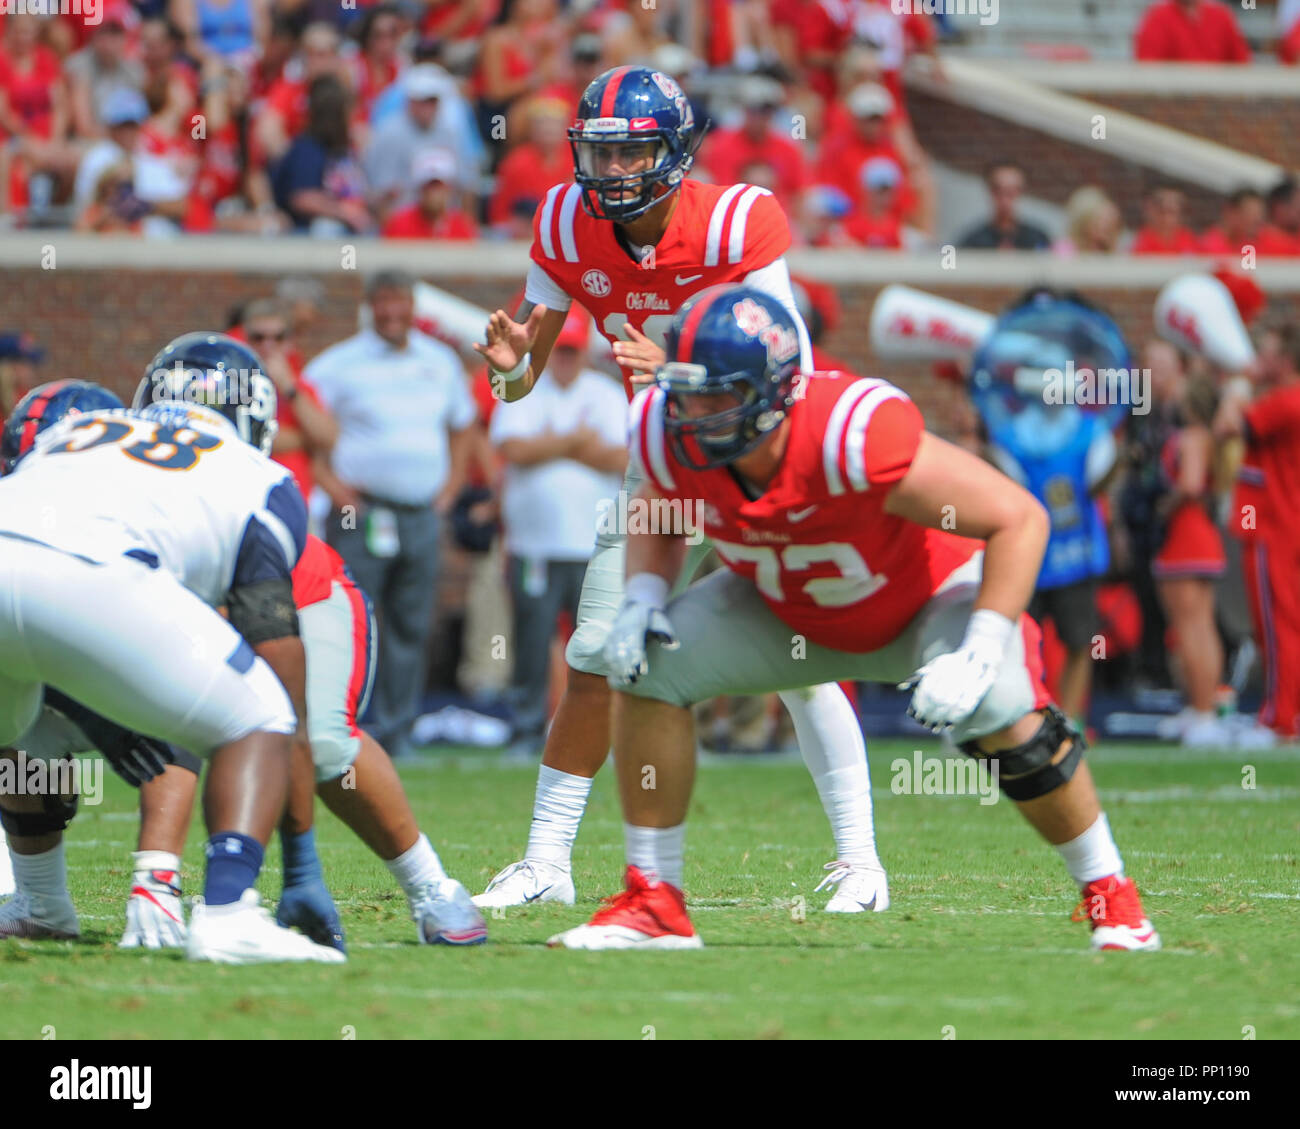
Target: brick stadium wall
{"points": [[967, 140], [106, 325], [1262, 127]]}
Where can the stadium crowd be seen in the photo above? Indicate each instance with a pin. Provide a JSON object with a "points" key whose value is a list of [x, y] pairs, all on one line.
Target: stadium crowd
{"points": [[446, 119]]}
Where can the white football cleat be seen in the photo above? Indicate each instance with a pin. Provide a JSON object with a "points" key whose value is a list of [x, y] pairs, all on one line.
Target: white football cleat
{"points": [[155, 918], [446, 915], [1206, 731], [857, 888], [528, 881], [1171, 728], [39, 919], [245, 933]]}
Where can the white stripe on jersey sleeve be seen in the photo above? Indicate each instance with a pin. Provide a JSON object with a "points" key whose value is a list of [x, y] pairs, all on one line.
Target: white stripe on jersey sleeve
{"points": [[544, 226], [713, 245], [570, 205], [855, 453], [542, 290], [835, 431], [736, 245]]}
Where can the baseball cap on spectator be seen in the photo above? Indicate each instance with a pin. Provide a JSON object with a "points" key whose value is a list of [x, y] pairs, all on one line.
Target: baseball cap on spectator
{"points": [[825, 201], [576, 331], [426, 81], [118, 15], [674, 59], [757, 92], [19, 347], [587, 48], [124, 106], [870, 100], [879, 173], [433, 164]]}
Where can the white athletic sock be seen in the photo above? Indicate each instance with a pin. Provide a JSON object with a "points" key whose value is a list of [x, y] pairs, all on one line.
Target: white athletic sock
{"points": [[156, 860], [557, 811], [830, 740], [1093, 854], [43, 877], [657, 851], [416, 867]]}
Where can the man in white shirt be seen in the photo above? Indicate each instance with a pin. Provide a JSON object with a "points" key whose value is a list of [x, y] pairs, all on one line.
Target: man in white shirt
{"points": [[404, 411], [565, 451]]}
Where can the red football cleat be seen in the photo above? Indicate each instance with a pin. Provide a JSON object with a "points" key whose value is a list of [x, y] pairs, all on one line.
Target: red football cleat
{"points": [[1113, 907], [645, 916]]}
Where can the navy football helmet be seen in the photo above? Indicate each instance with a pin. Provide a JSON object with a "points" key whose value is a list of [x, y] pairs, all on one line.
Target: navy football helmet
{"points": [[732, 341], [46, 405], [218, 372], [1041, 341], [628, 116]]}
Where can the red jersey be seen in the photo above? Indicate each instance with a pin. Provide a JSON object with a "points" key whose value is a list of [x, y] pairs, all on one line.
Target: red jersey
{"points": [[411, 223], [1208, 34], [1148, 242], [818, 544], [1269, 478], [717, 234], [315, 573]]}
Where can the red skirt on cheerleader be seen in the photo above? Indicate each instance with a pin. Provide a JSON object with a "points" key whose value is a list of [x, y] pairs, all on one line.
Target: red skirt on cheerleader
{"points": [[1192, 548]]}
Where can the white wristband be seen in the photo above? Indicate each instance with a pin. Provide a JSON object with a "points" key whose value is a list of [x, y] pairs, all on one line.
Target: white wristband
{"points": [[988, 632], [646, 588], [515, 373]]}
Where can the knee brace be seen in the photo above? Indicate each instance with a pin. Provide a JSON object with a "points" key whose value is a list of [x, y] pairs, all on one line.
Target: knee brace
{"points": [[55, 815], [1026, 771]]}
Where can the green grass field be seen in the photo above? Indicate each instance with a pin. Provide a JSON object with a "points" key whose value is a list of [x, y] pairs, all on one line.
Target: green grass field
{"points": [[978, 943]]}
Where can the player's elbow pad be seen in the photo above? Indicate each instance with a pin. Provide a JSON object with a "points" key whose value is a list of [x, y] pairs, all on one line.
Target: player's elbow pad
{"points": [[263, 610]]}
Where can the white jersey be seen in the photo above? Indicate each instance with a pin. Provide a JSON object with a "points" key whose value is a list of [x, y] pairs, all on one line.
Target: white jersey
{"points": [[172, 484]]}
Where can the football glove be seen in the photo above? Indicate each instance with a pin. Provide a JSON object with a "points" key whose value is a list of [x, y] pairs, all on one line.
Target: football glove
{"points": [[950, 687], [134, 757], [636, 624]]}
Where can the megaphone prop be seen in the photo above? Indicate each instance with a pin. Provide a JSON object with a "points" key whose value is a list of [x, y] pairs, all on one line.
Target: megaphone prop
{"points": [[911, 325], [1196, 312]]}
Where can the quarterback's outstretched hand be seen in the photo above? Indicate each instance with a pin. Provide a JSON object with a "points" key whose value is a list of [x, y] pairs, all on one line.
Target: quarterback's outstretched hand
{"points": [[507, 341], [949, 688], [635, 625]]}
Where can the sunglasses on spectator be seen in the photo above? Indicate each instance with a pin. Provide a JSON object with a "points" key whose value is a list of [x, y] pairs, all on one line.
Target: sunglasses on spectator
{"points": [[254, 337]]}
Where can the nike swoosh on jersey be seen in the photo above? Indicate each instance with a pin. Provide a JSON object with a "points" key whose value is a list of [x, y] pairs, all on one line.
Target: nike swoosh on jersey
{"points": [[799, 515], [689, 278]]}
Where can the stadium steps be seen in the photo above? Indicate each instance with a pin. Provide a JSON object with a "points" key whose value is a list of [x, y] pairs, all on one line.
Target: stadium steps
{"points": [[978, 111]]}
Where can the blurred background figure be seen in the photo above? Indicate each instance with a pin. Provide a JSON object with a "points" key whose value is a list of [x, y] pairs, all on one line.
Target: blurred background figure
{"points": [[1163, 231], [564, 457], [19, 356], [1190, 31], [541, 159], [1005, 230], [405, 418], [1093, 224], [434, 214]]}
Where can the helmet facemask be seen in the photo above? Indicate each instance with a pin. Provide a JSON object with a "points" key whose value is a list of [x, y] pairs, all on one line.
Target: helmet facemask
{"points": [[623, 196]]}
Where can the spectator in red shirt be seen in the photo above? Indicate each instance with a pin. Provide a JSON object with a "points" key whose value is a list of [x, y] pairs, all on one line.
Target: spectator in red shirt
{"points": [[727, 151], [868, 136], [306, 429], [877, 222], [375, 66], [1240, 225], [1288, 31], [431, 216], [1190, 31], [159, 48], [284, 113], [1164, 233], [542, 159], [823, 208], [34, 114], [1282, 233]]}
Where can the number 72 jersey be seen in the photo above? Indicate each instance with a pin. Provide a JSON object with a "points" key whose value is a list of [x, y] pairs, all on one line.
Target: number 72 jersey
{"points": [[818, 544], [173, 484]]}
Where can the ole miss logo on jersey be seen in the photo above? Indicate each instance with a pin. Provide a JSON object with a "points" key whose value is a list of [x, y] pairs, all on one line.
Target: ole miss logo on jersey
{"points": [[717, 234], [818, 544]]}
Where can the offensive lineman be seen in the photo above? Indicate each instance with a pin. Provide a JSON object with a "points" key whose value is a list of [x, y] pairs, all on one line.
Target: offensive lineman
{"points": [[123, 532], [830, 505], [644, 239]]}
